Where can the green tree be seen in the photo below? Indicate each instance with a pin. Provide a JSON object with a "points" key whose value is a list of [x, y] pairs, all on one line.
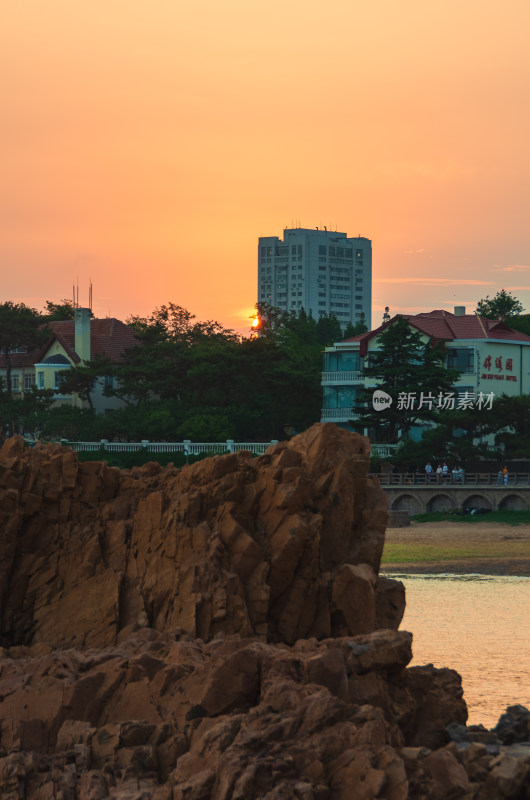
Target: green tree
{"points": [[270, 320], [62, 310], [188, 376], [503, 306], [22, 414], [328, 330], [67, 422], [520, 323], [81, 379], [509, 420], [352, 330], [21, 329], [412, 372]]}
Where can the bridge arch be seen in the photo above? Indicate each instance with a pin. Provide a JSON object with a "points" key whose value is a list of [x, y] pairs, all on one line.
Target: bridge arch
{"points": [[441, 502], [513, 502], [407, 502], [477, 501]]}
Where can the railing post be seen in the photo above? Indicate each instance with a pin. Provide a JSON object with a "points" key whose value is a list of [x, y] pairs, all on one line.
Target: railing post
{"points": [[230, 445], [187, 443]]}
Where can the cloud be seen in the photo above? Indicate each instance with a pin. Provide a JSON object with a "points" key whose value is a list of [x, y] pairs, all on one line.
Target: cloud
{"points": [[435, 281], [407, 252], [510, 268]]}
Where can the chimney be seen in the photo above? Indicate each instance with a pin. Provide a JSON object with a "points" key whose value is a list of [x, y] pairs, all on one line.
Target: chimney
{"points": [[460, 311], [82, 333]]}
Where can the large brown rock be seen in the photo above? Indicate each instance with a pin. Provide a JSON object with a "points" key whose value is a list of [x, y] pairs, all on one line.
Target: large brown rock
{"points": [[171, 716], [283, 547], [220, 632]]}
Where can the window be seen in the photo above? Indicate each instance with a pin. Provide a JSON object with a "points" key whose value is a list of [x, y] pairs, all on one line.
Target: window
{"points": [[348, 361], [59, 378], [339, 397], [29, 382], [40, 380], [331, 250], [14, 383], [108, 380], [359, 254], [263, 252], [321, 249], [10, 350], [461, 358]]}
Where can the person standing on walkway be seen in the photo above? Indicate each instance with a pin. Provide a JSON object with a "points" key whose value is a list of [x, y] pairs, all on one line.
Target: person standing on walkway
{"points": [[505, 475]]}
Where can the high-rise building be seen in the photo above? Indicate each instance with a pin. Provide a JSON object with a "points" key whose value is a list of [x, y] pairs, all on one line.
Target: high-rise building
{"points": [[325, 272]]}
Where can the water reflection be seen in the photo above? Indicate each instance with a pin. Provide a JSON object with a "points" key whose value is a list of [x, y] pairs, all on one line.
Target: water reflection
{"points": [[478, 625]]}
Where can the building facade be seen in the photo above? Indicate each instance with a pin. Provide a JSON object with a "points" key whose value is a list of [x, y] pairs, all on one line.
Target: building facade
{"points": [[324, 272], [491, 357], [72, 343]]}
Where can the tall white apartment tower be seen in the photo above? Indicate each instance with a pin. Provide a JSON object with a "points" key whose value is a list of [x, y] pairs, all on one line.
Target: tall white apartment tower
{"points": [[322, 271]]}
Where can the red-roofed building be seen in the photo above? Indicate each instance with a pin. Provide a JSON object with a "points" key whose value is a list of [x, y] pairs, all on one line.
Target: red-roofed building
{"points": [[72, 343], [490, 356]]}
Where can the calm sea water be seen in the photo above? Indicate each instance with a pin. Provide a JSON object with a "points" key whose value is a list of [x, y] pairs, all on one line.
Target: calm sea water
{"points": [[478, 625]]}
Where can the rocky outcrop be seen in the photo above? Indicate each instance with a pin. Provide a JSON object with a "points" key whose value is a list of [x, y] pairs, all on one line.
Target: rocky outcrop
{"points": [[282, 547], [220, 632], [168, 716], [162, 715]]}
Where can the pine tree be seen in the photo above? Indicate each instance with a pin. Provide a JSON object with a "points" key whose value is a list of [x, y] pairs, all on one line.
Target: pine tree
{"points": [[412, 372]]}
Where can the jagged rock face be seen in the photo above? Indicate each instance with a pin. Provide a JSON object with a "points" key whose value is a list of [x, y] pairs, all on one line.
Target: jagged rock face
{"points": [[220, 633], [283, 547], [162, 715]]}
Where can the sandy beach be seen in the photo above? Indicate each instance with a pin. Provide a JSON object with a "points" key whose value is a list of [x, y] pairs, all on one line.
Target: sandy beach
{"points": [[488, 548]]}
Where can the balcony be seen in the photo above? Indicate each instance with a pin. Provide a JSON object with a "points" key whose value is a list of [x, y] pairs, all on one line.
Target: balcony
{"points": [[336, 414], [346, 376]]}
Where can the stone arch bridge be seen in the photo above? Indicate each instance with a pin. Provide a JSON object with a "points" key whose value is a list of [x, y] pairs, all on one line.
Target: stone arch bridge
{"points": [[475, 490]]}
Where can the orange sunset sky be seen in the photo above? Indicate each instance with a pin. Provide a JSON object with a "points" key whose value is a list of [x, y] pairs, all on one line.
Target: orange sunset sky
{"points": [[147, 145]]}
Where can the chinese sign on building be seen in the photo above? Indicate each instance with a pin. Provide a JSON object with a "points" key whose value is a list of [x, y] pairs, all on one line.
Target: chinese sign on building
{"points": [[494, 370]]}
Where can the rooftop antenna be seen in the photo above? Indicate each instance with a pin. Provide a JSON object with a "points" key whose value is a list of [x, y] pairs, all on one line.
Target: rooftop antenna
{"points": [[90, 295]]}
